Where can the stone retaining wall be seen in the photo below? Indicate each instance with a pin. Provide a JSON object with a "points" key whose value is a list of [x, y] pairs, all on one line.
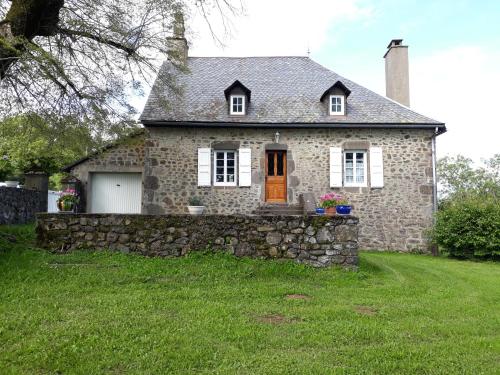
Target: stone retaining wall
{"points": [[316, 240], [19, 206]]}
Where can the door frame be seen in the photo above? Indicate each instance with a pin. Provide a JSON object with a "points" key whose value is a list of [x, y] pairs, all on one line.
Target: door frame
{"points": [[285, 175]]}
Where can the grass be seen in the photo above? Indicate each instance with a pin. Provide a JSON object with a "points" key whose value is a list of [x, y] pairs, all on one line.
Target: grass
{"points": [[100, 312]]}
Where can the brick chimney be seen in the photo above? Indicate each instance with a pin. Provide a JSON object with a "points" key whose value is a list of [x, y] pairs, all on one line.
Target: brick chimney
{"points": [[397, 76], [177, 44]]}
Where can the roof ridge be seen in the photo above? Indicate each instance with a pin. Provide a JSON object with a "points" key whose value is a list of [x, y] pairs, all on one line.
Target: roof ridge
{"points": [[249, 57]]}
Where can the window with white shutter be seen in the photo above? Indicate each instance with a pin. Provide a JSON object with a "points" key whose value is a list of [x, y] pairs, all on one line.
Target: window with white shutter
{"points": [[225, 167], [376, 167], [335, 167], [204, 167], [245, 166], [355, 168]]}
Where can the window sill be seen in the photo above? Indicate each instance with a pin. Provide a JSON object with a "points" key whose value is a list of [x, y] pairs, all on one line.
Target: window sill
{"points": [[356, 186]]}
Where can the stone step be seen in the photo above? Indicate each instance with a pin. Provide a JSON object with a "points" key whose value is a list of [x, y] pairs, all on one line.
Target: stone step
{"points": [[279, 209]]}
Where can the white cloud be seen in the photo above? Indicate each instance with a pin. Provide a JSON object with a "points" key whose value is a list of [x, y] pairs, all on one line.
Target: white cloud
{"points": [[460, 86], [275, 27]]}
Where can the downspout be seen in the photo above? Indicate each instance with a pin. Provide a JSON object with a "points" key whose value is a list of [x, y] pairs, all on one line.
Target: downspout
{"points": [[434, 175], [433, 247]]}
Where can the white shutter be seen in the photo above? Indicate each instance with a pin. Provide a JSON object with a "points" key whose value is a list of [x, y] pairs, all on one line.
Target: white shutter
{"points": [[204, 166], [376, 167], [245, 166], [335, 167]]}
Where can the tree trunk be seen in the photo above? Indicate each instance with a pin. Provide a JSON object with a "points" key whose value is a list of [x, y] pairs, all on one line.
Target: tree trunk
{"points": [[25, 20]]}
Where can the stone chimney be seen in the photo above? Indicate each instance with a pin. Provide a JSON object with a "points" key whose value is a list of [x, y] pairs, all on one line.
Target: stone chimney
{"points": [[397, 76], [177, 44]]}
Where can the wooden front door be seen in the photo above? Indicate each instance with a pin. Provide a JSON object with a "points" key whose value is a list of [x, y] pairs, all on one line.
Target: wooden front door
{"points": [[276, 176]]}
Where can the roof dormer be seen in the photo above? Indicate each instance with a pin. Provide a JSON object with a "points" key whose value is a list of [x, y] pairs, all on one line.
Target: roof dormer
{"points": [[238, 97], [337, 99]]}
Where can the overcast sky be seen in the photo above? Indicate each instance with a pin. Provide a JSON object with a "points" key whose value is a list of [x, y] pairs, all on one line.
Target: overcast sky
{"points": [[454, 53]]}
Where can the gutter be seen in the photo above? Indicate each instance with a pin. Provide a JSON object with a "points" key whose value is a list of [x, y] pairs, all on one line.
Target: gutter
{"points": [[344, 125]]}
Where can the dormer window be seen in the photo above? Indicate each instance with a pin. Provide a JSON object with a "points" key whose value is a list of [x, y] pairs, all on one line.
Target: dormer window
{"points": [[237, 105], [238, 98], [337, 105], [337, 99]]}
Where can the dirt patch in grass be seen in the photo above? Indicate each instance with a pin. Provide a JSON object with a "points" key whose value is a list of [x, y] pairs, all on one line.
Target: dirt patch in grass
{"points": [[365, 310], [57, 264], [276, 319], [298, 296]]}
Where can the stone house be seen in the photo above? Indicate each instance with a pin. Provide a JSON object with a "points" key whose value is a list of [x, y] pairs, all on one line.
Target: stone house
{"points": [[246, 133]]}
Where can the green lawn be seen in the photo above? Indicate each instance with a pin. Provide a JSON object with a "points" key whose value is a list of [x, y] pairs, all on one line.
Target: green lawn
{"points": [[94, 313]]}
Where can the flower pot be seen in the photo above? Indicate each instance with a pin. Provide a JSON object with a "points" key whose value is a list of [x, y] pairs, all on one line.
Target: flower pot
{"points": [[320, 210], [343, 210], [65, 206], [11, 183], [330, 211], [196, 210]]}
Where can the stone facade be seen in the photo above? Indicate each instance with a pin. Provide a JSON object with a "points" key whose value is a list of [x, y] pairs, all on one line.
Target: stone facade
{"points": [[394, 217], [19, 206], [316, 240], [127, 156]]}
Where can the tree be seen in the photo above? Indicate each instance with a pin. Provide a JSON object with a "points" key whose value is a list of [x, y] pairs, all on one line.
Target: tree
{"points": [[459, 178], [83, 58], [29, 143]]}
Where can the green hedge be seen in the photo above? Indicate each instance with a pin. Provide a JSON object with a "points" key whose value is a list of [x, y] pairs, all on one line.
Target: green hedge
{"points": [[469, 227]]}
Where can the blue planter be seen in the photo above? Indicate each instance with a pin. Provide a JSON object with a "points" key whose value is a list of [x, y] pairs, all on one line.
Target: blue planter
{"points": [[320, 211], [343, 210]]}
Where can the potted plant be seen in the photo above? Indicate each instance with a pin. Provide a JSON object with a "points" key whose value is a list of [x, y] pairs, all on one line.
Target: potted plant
{"points": [[320, 210], [195, 206], [343, 207], [67, 201], [329, 201]]}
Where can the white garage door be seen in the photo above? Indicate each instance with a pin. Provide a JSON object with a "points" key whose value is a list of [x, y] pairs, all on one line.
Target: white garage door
{"points": [[116, 193]]}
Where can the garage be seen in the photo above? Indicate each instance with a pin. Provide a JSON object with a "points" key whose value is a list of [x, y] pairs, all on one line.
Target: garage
{"points": [[116, 193]]}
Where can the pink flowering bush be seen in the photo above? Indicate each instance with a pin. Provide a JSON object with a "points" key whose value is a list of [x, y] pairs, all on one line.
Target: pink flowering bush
{"points": [[332, 200]]}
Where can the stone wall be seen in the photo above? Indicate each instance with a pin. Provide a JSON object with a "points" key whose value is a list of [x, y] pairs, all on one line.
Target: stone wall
{"points": [[19, 206], [394, 217], [316, 240], [127, 156]]}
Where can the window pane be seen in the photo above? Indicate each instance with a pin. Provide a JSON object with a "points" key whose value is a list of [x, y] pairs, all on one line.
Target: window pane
{"points": [[230, 171], [220, 155], [230, 178], [279, 167], [230, 162], [220, 163], [270, 164], [220, 170], [230, 155], [219, 178], [360, 176]]}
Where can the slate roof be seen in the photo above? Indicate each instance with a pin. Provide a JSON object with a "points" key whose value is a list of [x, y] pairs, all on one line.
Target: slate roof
{"points": [[284, 90]]}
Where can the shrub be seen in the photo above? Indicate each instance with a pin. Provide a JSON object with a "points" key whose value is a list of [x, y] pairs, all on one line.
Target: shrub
{"points": [[469, 227], [195, 201]]}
